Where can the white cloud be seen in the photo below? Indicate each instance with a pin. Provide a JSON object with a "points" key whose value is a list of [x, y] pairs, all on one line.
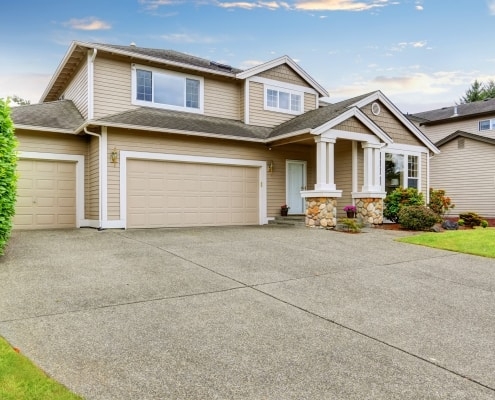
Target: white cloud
{"points": [[419, 7], [250, 64], [154, 4], [340, 5], [491, 7], [87, 24], [188, 38], [403, 45]]}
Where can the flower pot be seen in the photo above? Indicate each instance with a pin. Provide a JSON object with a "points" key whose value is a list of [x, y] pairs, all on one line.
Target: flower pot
{"points": [[284, 211], [351, 214]]}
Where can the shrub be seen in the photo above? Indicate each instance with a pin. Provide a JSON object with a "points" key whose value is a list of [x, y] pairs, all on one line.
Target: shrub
{"points": [[484, 223], [8, 177], [439, 202], [471, 219], [351, 224], [460, 222], [417, 218], [400, 198]]}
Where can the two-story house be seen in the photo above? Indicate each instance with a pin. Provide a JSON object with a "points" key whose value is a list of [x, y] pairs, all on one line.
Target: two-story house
{"points": [[465, 168], [131, 137]]}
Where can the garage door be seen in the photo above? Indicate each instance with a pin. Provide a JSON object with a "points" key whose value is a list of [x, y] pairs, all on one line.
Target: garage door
{"points": [[46, 195], [172, 194]]}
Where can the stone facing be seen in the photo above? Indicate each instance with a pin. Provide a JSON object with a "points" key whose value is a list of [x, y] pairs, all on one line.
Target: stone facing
{"points": [[321, 212], [370, 211]]}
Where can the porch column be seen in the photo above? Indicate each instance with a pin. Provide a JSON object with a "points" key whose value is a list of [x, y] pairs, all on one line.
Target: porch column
{"points": [[325, 164], [371, 167]]}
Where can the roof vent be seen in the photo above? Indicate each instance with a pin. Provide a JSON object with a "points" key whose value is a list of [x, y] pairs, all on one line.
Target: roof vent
{"points": [[455, 112], [132, 44]]}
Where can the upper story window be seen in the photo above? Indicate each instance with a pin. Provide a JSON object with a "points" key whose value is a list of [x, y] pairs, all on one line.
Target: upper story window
{"points": [[167, 89], [487, 124], [283, 100]]}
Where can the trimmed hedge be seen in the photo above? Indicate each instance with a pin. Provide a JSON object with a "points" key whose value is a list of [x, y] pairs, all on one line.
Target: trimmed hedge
{"points": [[417, 218], [400, 198], [8, 177]]}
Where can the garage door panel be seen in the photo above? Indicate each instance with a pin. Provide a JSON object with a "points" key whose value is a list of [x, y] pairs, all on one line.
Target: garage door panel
{"points": [[46, 196], [190, 194]]}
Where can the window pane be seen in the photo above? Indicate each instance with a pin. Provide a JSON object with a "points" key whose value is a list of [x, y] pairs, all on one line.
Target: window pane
{"points": [[169, 89], [271, 98], [143, 90], [412, 183], [394, 167], [485, 125], [412, 166], [295, 102], [192, 93], [284, 99]]}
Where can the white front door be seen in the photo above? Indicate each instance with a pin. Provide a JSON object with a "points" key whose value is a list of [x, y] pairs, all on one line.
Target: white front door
{"points": [[296, 181]]}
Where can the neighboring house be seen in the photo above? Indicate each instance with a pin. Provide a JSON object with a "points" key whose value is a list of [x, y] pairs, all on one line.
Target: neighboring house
{"points": [[129, 137], [465, 168]]}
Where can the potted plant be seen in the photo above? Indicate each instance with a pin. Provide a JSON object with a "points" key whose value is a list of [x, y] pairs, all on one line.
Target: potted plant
{"points": [[350, 210], [284, 209]]}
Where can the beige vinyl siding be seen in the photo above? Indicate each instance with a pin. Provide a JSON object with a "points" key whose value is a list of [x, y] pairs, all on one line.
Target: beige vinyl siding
{"points": [[46, 142], [112, 87], [176, 144], [77, 90], [343, 173], [440, 131], [392, 126], [284, 73], [257, 114], [467, 175], [222, 99], [242, 102], [353, 125], [92, 180], [424, 175], [309, 102]]}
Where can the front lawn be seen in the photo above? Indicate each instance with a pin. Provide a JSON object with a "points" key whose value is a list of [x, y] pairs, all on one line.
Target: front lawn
{"points": [[479, 241], [21, 380]]}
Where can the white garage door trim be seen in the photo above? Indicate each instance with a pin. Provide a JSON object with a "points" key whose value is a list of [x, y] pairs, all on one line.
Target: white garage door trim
{"points": [[124, 155], [79, 160]]}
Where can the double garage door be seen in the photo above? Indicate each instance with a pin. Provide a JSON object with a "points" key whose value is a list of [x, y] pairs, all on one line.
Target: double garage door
{"points": [[46, 195], [175, 194]]}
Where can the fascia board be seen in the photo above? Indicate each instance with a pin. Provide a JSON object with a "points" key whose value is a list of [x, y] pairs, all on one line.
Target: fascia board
{"points": [[279, 61], [378, 95]]}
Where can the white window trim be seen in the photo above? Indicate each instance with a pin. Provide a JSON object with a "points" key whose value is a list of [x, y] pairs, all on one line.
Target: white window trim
{"points": [[143, 103], [405, 177], [491, 122], [285, 90]]}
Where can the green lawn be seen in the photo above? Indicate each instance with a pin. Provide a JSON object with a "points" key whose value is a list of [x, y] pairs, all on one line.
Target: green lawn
{"points": [[21, 380], [479, 241]]}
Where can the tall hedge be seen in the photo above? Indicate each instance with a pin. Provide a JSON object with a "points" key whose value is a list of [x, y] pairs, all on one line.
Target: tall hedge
{"points": [[8, 177]]}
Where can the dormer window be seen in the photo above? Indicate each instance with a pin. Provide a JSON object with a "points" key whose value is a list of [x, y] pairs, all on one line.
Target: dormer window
{"points": [[487, 124], [283, 100], [153, 87]]}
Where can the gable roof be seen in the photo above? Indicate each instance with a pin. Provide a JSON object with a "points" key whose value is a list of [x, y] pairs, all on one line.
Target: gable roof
{"points": [[458, 112], [58, 116], [467, 135], [291, 63]]}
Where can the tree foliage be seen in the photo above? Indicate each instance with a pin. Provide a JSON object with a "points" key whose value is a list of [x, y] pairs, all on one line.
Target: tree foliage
{"points": [[19, 100], [479, 91], [8, 177]]}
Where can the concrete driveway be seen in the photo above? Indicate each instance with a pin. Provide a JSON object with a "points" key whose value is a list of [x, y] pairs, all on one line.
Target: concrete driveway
{"points": [[250, 313]]}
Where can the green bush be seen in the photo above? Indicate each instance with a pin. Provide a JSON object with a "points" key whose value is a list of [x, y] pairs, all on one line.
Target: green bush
{"points": [[460, 222], [398, 199], [439, 202], [484, 223], [471, 219], [417, 218], [8, 177], [351, 224]]}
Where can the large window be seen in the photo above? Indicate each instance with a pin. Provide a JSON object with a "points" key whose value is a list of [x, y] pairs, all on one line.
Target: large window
{"points": [[282, 100], [401, 170], [167, 89], [487, 124]]}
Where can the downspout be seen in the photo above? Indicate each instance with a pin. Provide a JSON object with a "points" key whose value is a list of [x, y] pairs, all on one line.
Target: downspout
{"points": [[100, 185]]}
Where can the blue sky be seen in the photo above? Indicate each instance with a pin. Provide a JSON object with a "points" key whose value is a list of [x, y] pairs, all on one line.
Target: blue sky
{"points": [[422, 54]]}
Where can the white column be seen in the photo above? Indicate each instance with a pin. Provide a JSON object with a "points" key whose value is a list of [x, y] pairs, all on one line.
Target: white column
{"points": [[371, 167], [325, 164]]}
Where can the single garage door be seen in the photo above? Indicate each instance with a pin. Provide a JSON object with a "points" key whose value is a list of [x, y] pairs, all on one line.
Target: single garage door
{"points": [[46, 195], [173, 194]]}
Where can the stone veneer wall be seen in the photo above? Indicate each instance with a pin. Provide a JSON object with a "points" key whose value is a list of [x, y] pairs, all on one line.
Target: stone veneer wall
{"points": [[370, 211], [321, 212]]}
